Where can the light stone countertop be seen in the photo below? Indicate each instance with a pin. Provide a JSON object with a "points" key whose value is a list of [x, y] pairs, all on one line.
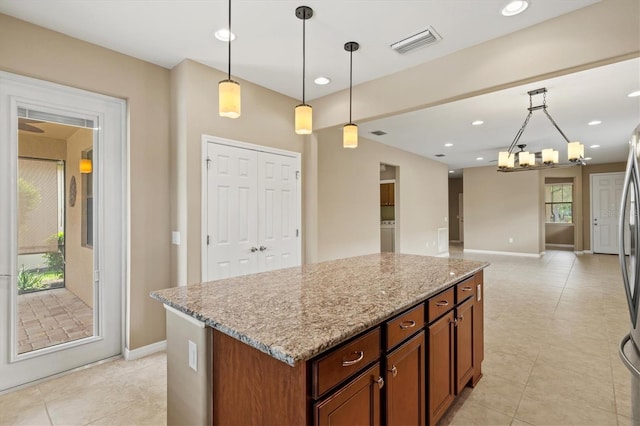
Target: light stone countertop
{"points": [[297, 313]]}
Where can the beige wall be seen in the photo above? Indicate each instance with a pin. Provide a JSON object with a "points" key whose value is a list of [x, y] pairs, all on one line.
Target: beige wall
{"points": [[267, 119], [587, 171], [349, 198], [499, 206], [455, 188], [78, 276], [34, 146], [559, 233], [36, 52]]}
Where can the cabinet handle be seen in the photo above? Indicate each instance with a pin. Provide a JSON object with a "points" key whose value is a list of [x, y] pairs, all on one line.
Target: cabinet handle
{"points": [[380, 382], [454, 322], [407, 324], [253, 249], [465, 288], [394, 371], [442, 303], [460, 318], [351, 362]]}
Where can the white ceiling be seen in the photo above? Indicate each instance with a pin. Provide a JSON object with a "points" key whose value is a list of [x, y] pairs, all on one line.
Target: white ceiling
{"points": [[572, 101], [268, 51], [268, 48]]}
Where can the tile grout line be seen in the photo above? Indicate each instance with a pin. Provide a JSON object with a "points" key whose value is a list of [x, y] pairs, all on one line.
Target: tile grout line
{"points": [[525, 389], [564, 286], [46, 407]]}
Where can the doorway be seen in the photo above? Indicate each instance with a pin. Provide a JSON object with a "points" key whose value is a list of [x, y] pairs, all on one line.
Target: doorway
{"points": [[606, 195], [388, 208], [62, 228]]}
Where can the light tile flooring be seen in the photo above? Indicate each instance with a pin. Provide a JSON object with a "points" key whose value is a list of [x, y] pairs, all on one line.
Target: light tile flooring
{"points": [[51, 317], [552, 326]]}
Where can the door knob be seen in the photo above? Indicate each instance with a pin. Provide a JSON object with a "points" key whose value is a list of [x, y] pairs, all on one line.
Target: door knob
{"points": [[253, 249], [262, 248]]}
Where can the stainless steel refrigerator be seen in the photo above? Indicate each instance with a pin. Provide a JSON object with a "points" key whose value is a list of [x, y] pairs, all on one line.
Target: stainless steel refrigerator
{"points": [[629, 238]]}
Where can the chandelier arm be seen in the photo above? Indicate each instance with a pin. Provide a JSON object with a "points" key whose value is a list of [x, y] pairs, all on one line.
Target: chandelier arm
{"points": [[556, 126], [520, 132]]}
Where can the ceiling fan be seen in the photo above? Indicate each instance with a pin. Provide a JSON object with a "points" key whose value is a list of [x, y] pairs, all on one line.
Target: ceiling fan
{"points": [[26, 125]]}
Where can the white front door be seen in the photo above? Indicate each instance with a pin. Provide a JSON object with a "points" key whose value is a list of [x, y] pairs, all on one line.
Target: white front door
{"points": [[62, 230], [606, 193], [252, 216]]}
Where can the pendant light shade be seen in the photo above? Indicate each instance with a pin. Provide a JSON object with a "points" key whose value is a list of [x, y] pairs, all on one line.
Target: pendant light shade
{"points": [[229, 98], [229, 90], [304, 119], [304, 113], [575, 151], [350, 130], [85, 166], [350, 136]]}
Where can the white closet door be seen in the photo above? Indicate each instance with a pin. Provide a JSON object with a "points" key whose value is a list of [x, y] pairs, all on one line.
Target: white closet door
{"points": [[232, 212], [278, 211]]}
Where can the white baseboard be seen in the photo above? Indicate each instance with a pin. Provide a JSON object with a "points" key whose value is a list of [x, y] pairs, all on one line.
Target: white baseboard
{"points": [[445, 254], [145, 350], [588, 251], [559, 245], [505, 253]]}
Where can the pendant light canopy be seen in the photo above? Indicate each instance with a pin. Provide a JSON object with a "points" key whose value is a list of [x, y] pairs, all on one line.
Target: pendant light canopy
{"points": [[350, 131], [304, 112], [229, 90]]}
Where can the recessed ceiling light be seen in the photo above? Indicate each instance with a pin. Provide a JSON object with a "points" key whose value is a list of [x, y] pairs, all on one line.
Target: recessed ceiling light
{"points": [[321, 81], [594, 146], [448, 145], [515, 7], [634, 94], [223, 35], [588, 158], [451, 171], [594, 122], [480, 158], [477, 122]]}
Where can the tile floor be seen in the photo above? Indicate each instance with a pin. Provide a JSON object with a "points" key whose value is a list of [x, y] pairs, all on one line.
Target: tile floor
{"points": [[552, 326], [51, 317]]}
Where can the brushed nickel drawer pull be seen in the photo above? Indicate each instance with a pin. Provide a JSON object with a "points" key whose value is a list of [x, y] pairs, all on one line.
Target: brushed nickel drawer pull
{"points": [[394, 371], [442, 303], [380, 382], [467, 288], [460, 318], [351, 362], [453, 322], [407, 324]]}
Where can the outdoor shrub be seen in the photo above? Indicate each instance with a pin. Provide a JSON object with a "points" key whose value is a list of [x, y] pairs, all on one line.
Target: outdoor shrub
{"points": [[29, 281]]}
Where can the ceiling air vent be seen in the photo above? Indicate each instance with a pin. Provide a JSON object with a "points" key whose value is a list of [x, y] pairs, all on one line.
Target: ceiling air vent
{"points": [[423, 38], [378, 133]]}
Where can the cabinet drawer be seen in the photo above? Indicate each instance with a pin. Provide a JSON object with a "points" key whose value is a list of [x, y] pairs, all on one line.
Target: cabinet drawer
{"points": [[345, 361], [441, 304], [404, 326], [465, 289]]}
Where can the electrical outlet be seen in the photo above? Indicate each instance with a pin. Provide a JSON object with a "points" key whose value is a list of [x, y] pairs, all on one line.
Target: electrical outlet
{"points": [[175, 238], [510, 240], [193, 356]]}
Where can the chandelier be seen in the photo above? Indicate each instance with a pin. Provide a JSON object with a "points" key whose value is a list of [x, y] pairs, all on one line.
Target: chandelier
{"points": [[515, 161]]}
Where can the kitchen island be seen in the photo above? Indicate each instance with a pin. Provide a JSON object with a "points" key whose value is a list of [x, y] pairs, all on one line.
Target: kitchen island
{"points": [[317, 343]]}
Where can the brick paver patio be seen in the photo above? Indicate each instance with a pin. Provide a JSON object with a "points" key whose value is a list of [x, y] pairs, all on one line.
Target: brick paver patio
{"points": [[51, 317]]}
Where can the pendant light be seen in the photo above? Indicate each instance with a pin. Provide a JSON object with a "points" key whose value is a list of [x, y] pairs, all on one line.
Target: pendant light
{"points": [[350, 130], [229, 90], [304, 113]]}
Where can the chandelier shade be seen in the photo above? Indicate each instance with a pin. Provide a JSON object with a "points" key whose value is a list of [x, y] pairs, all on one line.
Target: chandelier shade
{"points": [[229, 90]]}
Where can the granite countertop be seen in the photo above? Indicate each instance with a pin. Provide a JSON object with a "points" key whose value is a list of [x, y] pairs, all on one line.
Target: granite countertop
{"points": [[296, 313]]}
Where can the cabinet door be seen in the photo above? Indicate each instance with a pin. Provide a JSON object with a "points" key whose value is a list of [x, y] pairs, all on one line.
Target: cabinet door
{"points": [[405, 380], [356, 403], [440, 368], [464, 344], [478, 329]]}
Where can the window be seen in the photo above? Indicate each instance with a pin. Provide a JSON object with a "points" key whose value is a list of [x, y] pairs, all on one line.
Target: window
{"points": [[558, 200]]}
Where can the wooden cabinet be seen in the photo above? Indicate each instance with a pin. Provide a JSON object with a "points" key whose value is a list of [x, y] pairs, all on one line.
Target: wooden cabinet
{"points": [[387, 194], [478, 327], [405, 383], [442, 390], [464, 326], [357, 403]]}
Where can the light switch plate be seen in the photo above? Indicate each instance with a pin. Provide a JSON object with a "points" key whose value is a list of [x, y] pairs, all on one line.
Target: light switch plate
{"points": [[175, 238], [193, 356]]}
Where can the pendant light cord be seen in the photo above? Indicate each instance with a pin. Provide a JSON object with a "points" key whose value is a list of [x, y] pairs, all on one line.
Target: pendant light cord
{"points": [[229, 40], [304, 43], [350, 82]]}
